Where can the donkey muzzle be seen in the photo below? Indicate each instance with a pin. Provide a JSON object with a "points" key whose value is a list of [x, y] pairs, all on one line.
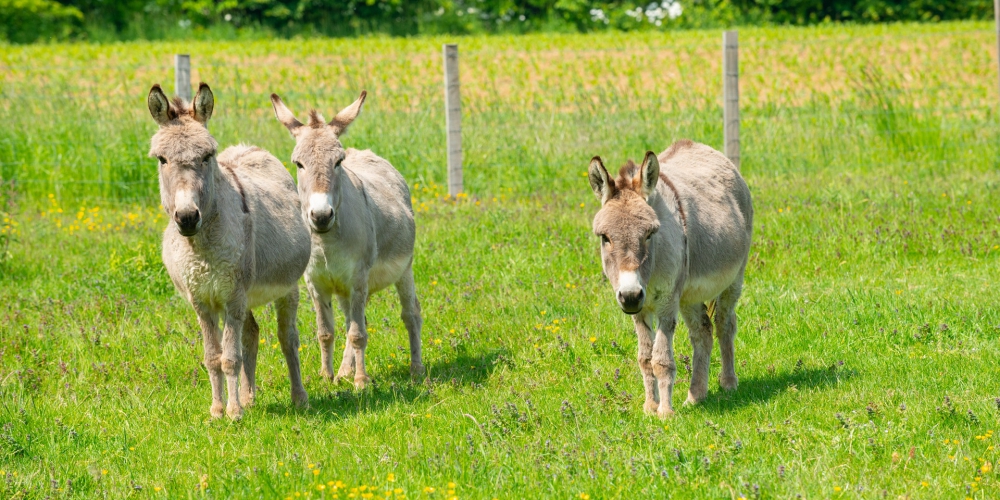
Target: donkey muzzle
{"points": [[188, 221], [321, 220], [631, 301]]}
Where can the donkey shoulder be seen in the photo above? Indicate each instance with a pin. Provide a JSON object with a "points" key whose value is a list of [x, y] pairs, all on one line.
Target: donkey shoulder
{"points": [[365, 159], [255, 165], [693, 166], [376, 172]]}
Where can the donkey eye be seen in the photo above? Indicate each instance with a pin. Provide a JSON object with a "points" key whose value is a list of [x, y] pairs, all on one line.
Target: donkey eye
{"points": [[163, 161], [207, 157], [299, 165], [605, 240]]}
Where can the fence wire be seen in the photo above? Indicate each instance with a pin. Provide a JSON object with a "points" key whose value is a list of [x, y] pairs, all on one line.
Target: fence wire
{"points": [[532, 116]]}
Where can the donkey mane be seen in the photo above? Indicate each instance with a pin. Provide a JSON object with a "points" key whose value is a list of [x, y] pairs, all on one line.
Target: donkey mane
{"points": [[315, 119], [181, 107], [675, 147], [628, 178]]}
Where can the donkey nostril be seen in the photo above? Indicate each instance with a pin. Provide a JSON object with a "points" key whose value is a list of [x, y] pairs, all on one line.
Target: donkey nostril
{"points": [[631, 298], [188, 220], [321, 214]]}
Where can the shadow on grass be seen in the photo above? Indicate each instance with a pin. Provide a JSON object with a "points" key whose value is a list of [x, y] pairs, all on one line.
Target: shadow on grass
{"points": [[762, 388], [337, 401]]}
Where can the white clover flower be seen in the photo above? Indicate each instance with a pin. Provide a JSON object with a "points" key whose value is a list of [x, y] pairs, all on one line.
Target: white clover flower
{"points": [[598, 15], [674, 9]]}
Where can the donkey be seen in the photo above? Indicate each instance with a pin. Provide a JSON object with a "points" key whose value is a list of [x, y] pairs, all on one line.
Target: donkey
{"points": [[358, 209], [234, 241], [680, 237]]}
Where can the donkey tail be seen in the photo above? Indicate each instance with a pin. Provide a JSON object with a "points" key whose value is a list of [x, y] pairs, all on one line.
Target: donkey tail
{"points": [[711, 306]]}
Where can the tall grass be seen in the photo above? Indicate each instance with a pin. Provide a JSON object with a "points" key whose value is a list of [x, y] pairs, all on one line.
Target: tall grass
{"points": [[866, 347], [536, 107]]}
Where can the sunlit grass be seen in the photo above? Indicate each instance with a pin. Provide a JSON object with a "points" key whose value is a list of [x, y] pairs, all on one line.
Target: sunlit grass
{"points": [[867, 339]]}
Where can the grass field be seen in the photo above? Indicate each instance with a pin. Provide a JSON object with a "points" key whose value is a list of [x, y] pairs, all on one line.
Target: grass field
{"points": [[867, 344]]}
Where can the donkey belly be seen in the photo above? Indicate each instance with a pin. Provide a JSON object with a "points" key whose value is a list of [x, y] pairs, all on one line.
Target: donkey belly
{"points": [[706, 287], [262, 293], [387, 272]]}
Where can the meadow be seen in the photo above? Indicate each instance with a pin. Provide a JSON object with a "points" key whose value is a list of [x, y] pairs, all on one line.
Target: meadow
{"points": [[867, 330]]}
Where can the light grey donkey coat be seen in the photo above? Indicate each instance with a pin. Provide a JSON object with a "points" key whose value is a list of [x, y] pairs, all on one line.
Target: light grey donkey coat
{"points": [[358, 209], [675, 237], [235, 241]]}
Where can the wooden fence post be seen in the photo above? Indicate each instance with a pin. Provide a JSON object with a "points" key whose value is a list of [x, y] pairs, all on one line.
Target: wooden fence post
{"points": [[182, 76], [996, 17], [453, 119], [731, 95]]}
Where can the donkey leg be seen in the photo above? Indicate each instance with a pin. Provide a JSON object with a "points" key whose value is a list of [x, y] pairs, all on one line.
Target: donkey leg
{"points": [[664, 367], [324, 330], [288, 337], [725, 330], [210, 334], [407, 291], [347, 362], [357, 333], [232, 354], [644, 332], [251, 336], [700, 331]]}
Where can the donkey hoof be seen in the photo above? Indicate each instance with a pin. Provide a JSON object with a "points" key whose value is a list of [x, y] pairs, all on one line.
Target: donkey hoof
{"points": [[692, 399], [300, 399], [247, 397], [235, 412], [417, 371], [217, 410], [361, 382], [342, 374], [728, 383], [328, 375], [665, 413], [650, 407]]}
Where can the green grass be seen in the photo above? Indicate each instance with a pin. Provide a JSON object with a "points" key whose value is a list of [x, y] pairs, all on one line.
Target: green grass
{"points": [[866, 350]]}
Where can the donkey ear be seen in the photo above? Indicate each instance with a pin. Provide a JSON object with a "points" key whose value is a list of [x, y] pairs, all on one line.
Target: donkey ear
{"points": [[204, 104], [284, 114], [159, 106], [600, 182], [348, 114], [650, 174]]}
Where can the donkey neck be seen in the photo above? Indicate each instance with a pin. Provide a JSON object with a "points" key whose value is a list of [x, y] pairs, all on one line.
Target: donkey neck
{"points": [[226, 208], [671, 210], [351, 187]]}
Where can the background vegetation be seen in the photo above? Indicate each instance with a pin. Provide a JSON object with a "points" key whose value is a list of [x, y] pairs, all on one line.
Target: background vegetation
{"points": [[98, 20], [867, 345]]}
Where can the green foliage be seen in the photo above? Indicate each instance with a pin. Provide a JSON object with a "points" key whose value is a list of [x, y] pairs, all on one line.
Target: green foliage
{"points": [[99, 20], [866, 11], [25, 21], [867, 331]]}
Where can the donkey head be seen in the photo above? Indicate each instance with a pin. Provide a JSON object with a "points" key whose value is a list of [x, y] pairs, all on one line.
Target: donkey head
{"points": [[186, 152], [318, 155], [625, 224]]}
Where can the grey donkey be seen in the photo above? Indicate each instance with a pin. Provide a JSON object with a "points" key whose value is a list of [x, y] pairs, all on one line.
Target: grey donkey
{"points": [[234, 241], [675, 234], [358, 209]]}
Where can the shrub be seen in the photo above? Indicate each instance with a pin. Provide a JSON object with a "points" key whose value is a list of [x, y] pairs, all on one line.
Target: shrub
{"points": [[26, 21]]}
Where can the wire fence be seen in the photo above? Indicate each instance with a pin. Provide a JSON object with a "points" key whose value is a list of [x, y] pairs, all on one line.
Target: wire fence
{"points": [[533, 114]]}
